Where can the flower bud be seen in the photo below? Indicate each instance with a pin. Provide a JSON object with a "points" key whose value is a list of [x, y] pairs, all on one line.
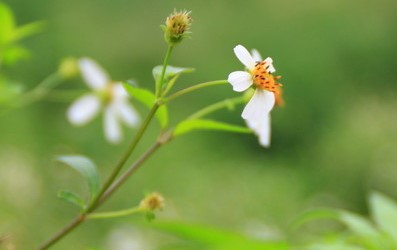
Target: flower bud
{"points": [[69, 68], [177, 26], [153, 201]]}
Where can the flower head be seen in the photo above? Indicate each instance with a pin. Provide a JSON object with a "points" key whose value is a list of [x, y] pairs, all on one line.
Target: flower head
{"points": [[177, 26], [105, 95], [267, 90], [153, 201]]}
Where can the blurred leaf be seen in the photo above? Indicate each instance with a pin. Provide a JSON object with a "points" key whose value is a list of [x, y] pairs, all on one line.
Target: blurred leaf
{"points": [[358, 224], [337, 246], [71, 198], [7, 24], [170, 71], [9, 90], [147, 98], [27, 30], [315, 215], [384, 212], [86, 168], [212, 238], [14, 53], [201, 124]]}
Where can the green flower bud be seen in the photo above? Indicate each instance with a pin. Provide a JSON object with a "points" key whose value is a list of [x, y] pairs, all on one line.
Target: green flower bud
{"points": [[69, 68]]}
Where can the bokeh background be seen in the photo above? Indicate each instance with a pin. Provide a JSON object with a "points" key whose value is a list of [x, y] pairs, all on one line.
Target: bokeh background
{"points": [[333, 141]]}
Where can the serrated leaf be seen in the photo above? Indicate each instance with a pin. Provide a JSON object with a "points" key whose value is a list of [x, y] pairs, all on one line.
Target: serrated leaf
{"points": [[72, 198], [147, 98], [201, 124], [170, 71], [86, 168], [7, 24], [384, 212]]}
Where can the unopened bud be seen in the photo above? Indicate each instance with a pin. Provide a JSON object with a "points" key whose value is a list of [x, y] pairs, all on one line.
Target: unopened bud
{"points": [[177, 26], [69, 68]]}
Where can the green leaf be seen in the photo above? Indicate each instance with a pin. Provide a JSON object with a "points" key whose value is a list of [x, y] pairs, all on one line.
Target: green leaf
{"points": [[147, 98], [384, 212], [201, 124], [170, 71], [86, 168], [13, 54], [27, 30], [7, 24], [214, 238], [71, 198]]}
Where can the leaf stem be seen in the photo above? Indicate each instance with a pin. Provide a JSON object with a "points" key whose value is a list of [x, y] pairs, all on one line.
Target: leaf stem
{"points": [[64, 231], [193, 88], [160, 82], [228, 103], [113, 214], [124, 158], [40, 90]]}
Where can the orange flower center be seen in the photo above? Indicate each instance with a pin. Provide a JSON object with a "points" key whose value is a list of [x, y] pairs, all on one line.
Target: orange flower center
{"points": [[263, 79]]}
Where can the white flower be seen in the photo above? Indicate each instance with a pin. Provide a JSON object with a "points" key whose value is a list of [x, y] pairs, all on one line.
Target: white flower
{"points": [[267, 91], [105, 95]]}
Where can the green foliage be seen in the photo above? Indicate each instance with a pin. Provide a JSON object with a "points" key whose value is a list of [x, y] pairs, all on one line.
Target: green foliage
{"points": [[362, 233], [201, 124], [10, 34], [86, 168], [72, 198], [147, 98], [205, 237], [170, 72]]}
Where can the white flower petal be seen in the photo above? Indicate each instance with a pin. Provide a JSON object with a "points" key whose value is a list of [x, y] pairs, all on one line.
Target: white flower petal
{"points": [[244, 56], [111, 125], [93, 74], [127, 113], [263, 131], [256, 55], [260, 104], [119, 91], [240, 80], [83, 109], [269, 61]]}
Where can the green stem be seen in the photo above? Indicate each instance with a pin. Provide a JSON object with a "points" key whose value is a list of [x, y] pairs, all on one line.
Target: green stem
{"points": [[193, 88], [228, 103], [166, 137], [113, 214], [160, 82], [64, 231], [124, 158], [40, 90]]}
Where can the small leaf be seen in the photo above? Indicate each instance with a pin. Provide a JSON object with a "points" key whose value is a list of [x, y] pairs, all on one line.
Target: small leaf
{"points": [[147, 98], [384, 212], [71, 198], [27, 30], [86, 168], [170, 71], [13, 54], [358, 224], [7, 24], [201, 124]]}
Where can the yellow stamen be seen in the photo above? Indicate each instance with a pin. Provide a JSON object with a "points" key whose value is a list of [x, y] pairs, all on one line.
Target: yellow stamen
{"points": [[263, 79]]}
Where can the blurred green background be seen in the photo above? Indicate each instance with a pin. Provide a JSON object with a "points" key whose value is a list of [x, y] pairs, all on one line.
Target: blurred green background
{"points": [[333, 141]]}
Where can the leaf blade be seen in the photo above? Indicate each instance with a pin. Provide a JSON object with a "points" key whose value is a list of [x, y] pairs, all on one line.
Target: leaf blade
{"points": [[86, 168], [148, 99], [205, 124]]}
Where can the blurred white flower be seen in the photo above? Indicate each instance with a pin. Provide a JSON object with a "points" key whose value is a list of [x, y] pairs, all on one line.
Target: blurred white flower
{"points": [[267, 91], [106, 95]]}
